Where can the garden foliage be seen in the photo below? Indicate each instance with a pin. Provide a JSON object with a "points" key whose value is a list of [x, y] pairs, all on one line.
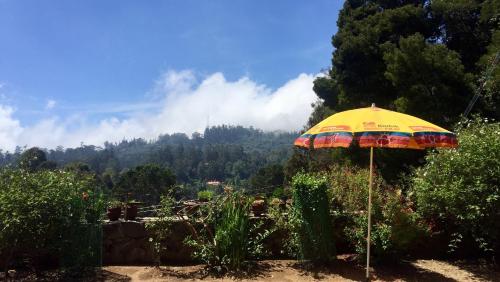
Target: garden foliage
{"points": [[160, 228], [50, 212], [205, 195], [458, 191], [310, 218], [228, 238], [396, 229]]}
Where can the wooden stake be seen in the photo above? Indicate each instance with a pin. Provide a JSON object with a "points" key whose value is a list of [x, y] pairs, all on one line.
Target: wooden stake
{"points": [[369, 217]]}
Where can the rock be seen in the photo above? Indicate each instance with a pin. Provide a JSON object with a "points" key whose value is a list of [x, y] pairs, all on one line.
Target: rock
{"points": [[134, 229], [112, 230], [125, 247], [128, 243], [136, 255]]}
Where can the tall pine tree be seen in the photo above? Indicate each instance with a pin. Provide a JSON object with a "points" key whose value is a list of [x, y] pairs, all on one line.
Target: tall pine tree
{"points": [[418, 57]]}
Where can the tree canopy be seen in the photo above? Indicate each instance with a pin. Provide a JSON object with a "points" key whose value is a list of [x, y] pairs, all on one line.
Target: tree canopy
{"points": [[146, 183], [32, 159], [417, 57]]}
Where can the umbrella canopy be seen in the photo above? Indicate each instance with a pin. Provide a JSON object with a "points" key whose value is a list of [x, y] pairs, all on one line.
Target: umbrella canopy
{"points": [[376, 127]]}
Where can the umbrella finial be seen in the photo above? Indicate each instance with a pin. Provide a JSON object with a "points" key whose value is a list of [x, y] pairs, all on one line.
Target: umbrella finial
{"points": [[373, 105]]}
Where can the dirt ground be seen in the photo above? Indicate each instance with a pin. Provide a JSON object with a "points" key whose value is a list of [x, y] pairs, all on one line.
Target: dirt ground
{"points": [[345, 269]]}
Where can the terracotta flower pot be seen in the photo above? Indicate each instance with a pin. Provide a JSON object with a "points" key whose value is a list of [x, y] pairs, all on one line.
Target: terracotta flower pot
{"points": [[258, 207], [114, 213], [131, 212]]}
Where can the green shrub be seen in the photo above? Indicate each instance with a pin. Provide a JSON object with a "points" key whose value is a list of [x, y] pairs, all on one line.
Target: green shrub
{"points": [[115, 204], [226, 247], [396, 229], [278, 214], [349, 188], [229, 238], [205, 195], [279, 193], [52, 212], [310, 218], [458, 191], [231, 231], [159, 228]]}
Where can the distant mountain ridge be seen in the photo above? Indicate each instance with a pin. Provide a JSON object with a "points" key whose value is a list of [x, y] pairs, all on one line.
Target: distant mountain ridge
{"points": [[220, 153]]}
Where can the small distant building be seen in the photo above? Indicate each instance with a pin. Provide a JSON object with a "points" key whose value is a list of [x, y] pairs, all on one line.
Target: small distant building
{"points": [[214, 182]]}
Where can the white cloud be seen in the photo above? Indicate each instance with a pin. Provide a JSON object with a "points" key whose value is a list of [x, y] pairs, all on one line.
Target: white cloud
{"points": [[50, 104], [185, 106], [10, 128]]}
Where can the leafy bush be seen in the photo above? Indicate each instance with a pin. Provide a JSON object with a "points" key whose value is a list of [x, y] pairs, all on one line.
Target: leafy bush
{"points": [[228, 238], [205, 195], [349, 188], [458, 191], [396, 229], [278, 213], [310, 218], [115, 204], [278, 193], [53, 212], [159, 229]]}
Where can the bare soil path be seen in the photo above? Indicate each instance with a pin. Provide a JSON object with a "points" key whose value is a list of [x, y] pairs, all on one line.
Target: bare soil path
{"points": [[289, 270]]}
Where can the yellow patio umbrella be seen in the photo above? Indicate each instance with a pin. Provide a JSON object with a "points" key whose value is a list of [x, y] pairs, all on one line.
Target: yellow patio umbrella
{"points": [[374, 127]]}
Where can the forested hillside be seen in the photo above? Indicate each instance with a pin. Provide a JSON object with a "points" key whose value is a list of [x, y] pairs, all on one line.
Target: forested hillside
{"points": [[224, 153]]}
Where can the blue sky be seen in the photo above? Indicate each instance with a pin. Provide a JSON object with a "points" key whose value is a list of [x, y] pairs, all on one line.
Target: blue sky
{"points": [[79, 64]]}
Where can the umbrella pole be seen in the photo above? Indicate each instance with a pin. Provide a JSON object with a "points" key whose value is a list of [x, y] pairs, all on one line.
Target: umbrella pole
{"points": [[369, 216]]}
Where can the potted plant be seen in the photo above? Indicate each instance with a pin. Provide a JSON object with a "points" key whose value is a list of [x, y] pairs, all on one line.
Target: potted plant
{"points": [[114, 210], [258, 206], [131, 210], [205, 196]]}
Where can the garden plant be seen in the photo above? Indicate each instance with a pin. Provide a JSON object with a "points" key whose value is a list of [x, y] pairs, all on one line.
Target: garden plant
{"points": [[55, 213]]}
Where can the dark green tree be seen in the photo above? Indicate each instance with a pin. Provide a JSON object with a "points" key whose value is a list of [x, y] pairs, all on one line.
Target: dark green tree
{"points": [[47, 165], [267, 179], [146, 183], [464, 26], [78, 167], [489, 81], [32, 159], [419, 57], [429, 79], [357, 74], [425, 58]]}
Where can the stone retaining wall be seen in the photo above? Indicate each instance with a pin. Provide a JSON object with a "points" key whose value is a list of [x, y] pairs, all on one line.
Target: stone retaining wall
{"points": [[127, 243]]}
